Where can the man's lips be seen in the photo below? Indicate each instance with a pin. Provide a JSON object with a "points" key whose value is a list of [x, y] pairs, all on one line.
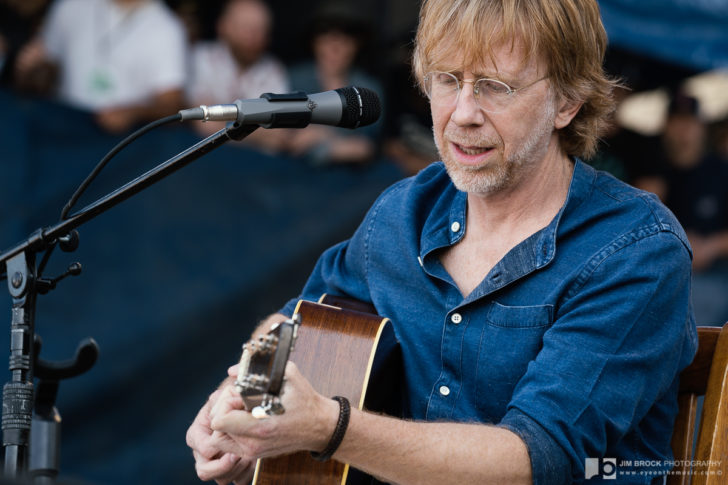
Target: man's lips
{"points": [[471, 150]]}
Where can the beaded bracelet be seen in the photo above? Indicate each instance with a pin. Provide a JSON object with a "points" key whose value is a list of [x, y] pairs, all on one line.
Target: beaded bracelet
{"points": [[339, 432]]}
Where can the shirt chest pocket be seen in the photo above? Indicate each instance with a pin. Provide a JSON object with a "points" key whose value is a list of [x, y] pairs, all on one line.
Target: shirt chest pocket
{"points": [[511, 337]]}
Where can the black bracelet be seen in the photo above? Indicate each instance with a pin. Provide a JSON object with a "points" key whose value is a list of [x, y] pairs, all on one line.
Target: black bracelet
{"points": [[339, 432]]}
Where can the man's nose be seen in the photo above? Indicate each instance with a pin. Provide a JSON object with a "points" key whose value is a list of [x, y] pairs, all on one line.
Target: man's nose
{"points": [[467, 111]]}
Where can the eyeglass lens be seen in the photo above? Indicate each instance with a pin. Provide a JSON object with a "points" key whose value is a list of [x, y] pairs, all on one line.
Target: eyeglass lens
{"points": [[444, 87]]}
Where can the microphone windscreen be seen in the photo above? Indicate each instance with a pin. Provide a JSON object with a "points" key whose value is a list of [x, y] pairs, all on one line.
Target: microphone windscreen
{"points": [[361, 107]]}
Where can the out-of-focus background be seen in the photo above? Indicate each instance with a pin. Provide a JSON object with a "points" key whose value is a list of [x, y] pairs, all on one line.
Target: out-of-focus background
{"points": [[176, 278]]}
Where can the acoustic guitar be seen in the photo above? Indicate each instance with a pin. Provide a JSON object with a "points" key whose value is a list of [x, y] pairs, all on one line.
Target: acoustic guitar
{"points": [[344, 349]]}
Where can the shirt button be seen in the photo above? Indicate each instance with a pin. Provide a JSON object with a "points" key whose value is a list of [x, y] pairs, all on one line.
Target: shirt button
{"points": [[444, 390], [455, 227], [456, 318]]}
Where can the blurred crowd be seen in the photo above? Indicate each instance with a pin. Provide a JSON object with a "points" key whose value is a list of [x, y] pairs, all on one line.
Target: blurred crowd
{"points": [[133, 61]]}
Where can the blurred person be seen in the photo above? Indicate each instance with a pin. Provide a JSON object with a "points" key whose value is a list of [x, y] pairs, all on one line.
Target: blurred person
{"points": [[124, 60], [694, 186], [189, 13], [408, 123], [720, 138], [19, 22], [238, 66], [337, 35]]}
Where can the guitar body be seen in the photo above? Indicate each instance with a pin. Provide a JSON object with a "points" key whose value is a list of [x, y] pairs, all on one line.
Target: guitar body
{"points": [[337, 350]]}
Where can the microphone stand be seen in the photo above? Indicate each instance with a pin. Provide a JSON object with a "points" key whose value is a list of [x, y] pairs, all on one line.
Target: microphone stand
{"points": [[24, 286]]}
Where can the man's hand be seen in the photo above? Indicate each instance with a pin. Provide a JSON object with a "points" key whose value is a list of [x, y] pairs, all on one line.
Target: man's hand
{"points": [[122, 118], [118, 119], [34, 72], [211, 462], [307, 423], [29, 57]]}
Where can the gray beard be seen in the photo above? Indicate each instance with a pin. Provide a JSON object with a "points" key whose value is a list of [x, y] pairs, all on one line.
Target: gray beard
{"points": [[494, 178]]}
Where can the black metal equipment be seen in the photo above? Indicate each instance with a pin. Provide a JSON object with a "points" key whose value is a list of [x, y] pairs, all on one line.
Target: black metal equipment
{"points": [[31, 442]]}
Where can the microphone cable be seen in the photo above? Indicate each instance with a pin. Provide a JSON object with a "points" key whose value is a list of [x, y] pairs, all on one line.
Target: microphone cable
{"points": [[97, 170], [111, 154]]}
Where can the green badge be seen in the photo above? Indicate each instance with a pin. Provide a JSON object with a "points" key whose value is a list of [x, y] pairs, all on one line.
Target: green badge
{"points": [[100, 81]]}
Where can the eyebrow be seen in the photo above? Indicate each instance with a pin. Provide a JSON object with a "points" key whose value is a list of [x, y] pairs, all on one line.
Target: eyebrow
{"points": [[497, 76]]}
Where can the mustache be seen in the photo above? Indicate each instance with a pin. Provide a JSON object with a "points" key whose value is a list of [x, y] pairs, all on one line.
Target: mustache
{"points": [[470, 139]]}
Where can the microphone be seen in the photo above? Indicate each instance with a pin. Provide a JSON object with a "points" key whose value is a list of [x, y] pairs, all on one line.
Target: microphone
{"points": [[350, 107]]}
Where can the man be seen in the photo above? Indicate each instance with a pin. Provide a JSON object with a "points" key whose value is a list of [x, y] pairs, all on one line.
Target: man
{"points": [[124, 60], [237, 65], [542, 308]]}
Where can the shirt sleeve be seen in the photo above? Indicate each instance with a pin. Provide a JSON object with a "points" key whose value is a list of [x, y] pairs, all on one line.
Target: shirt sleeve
{"points": [[619, 341], [53, 34]]}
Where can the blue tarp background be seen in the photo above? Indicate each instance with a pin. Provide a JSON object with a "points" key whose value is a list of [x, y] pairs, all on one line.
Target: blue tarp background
{"points": [[689, 33], [174, 279]]}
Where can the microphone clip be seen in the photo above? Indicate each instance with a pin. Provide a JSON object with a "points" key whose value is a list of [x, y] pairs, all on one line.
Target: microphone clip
{"points": [[294, 119]]}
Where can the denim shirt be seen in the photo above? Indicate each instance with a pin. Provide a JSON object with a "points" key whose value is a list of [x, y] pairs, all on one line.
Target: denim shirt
{"points": [[573, 341]]}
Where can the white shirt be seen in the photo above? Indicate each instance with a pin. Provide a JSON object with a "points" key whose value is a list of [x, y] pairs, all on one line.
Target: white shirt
{"points": [[217, 77], [113, 55]]}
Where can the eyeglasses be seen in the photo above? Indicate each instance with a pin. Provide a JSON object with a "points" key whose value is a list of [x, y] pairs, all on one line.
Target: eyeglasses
{"points": [[492, 95]]}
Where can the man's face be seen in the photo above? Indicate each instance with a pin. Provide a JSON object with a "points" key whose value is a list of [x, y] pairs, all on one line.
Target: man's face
{"points": [[245, 26], [487, 152], [684, 140], [334, 51]]}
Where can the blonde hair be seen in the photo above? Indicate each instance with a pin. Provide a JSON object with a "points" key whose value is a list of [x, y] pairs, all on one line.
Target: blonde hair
{"points": [[568, 34]]}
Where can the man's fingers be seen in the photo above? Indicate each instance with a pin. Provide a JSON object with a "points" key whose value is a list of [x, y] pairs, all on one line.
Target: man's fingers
{"points": [[229, 400], [230, 445], [228, 397], [220, 402], [292, 368], [234, 422], [228, 468], [241, 472], [214, 396], [209, 447], [197, 433], [221, 442], [228, 416], [222, 468]]}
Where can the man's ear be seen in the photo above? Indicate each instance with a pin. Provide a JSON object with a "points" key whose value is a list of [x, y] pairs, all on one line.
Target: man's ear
{"points": [[566, 113]]}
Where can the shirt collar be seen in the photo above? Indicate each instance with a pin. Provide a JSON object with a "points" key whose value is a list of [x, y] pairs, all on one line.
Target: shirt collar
{"points": [[446, 225], [447, 215]]}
